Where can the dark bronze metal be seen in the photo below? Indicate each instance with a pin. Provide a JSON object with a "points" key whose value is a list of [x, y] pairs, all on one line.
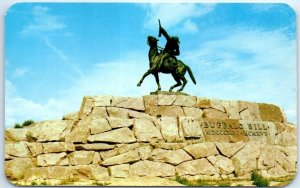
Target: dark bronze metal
{"points": [[166, 62]]}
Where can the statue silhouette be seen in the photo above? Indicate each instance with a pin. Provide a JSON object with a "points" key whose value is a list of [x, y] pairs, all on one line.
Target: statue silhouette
{"points": [[166, 62]]}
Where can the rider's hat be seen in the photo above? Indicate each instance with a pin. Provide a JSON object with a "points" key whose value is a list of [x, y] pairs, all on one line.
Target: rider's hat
{"points": [[175, 38]]}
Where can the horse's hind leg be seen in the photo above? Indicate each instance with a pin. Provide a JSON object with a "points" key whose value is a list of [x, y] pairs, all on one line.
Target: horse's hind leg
{"points": [[178, 82], [157, 81], [184, 83]]}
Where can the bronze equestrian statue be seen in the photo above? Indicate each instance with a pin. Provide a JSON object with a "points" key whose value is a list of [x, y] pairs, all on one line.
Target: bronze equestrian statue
{"points": [[166, 62]]}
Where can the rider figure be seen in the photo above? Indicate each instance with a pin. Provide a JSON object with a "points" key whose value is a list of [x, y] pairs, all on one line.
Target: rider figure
{"points": [[171, 48]]}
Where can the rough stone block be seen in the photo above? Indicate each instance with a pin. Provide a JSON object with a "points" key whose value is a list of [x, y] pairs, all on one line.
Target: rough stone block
{"points": [[81, 157], [196, 167], [120, 149], [119, 171], [224, 164], [135, 103], [183, 100], [52, 159], [35, 148], [288, 137], [86, 106], [18, 149], [280, 127], [270, 112], [266, 159], [49, 172], [55, 147], [201, 150], [49, 130], [166, 100], [244, 161], [80, 172], [98, 112], [246, 115], [149, 168], [99, 125], [169, 111], [202, 103], [210, 103], [140, 115], [130, 156], [151, 104], [122, 135], [119, 122], [167, 156], [218, 105], [79, 132], [170, 146], [99, 173], [214, 114], [290, 152], [96, 159], [169, 129], [192, 112], [229, 149], [144, 151], [102, 100], [16, 168], [274, 172], [145, 130], [117, 112], [95, 146], [191, 127], [15, 135], [71, 116], [232, 109], [252, 107], [285, 162]]}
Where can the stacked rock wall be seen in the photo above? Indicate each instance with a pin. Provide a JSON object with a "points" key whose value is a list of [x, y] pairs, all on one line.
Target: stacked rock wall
{"points": [[155, 135]]}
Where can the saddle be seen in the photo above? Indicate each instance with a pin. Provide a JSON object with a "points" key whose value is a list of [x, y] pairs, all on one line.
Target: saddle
{"points": [[172, 60]]}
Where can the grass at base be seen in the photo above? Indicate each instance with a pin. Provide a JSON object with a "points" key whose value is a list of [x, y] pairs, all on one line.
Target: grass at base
{"points": [[221, 183], [282, 181], [256, 181]]}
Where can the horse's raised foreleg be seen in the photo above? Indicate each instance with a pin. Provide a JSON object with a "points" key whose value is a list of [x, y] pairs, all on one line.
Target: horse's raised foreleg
{"points": [[157, 81], [150, 71], [178, 83]]}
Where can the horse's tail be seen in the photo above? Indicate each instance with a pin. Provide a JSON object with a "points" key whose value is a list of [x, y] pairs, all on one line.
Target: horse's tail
{"points": [[191, 74]]}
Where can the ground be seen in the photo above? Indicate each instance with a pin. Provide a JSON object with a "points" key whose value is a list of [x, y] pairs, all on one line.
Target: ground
{"points": [[149, 181]]}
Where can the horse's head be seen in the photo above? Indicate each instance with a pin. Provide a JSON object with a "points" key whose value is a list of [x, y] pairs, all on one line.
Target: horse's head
{"points": [[152, 41]]}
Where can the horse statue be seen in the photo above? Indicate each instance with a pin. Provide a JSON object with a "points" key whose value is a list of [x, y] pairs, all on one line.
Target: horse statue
{"points": [[169, 66]]}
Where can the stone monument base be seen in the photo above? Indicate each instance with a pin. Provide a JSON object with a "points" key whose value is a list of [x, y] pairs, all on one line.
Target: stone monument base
{"points": [[163, 136]]}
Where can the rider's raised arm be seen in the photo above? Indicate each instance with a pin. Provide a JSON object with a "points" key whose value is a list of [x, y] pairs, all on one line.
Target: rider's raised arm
{"points": [[164, 32]]}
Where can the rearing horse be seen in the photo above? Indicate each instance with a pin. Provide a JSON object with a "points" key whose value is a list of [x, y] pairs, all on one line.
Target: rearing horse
{"points": [[170, 66]]}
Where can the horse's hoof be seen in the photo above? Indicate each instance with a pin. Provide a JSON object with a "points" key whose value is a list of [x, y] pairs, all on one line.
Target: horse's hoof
{"points": [[139, 84]]}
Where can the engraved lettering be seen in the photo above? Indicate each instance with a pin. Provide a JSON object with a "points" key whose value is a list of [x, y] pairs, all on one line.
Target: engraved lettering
{"points": [[250, 126]]}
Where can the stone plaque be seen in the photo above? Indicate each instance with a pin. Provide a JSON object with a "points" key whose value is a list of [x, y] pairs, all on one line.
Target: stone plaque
{"points": [[232, 130]]}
